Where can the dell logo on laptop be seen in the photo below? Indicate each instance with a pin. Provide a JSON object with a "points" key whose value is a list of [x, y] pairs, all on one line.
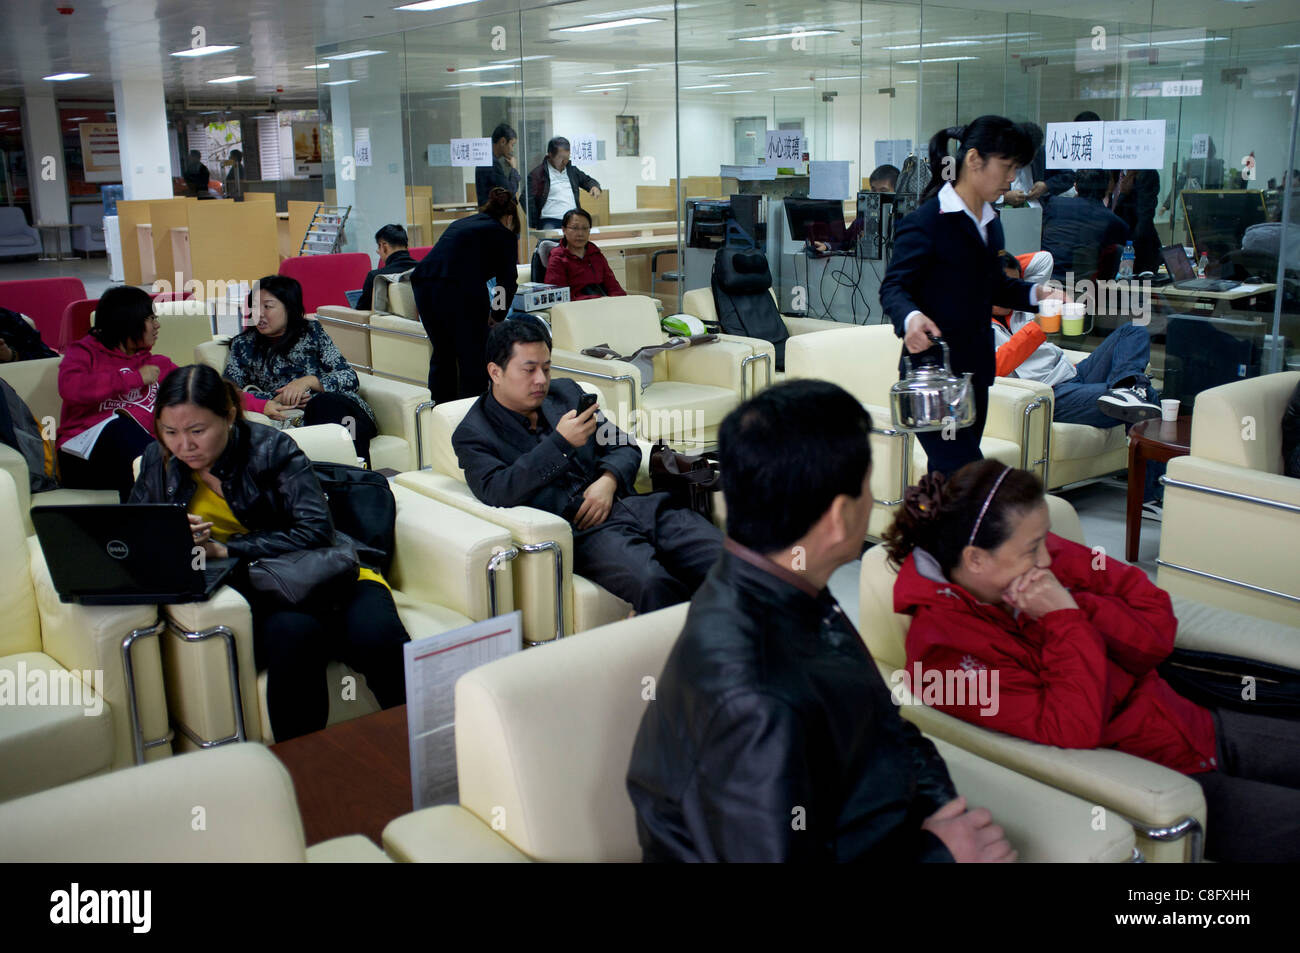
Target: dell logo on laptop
{"points": [[118, 549]]}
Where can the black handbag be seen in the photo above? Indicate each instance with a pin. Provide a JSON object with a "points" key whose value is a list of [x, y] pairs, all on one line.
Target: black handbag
{"points": [[1220, 681], [305, 574], [689, 479]]}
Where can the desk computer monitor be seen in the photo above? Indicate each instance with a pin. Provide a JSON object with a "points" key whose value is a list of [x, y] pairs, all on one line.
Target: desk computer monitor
{"points": [[816, 220], [1218, 219]]}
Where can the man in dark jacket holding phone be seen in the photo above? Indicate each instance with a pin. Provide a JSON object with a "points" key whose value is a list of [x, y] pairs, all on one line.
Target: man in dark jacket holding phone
{"points": [[528, 442], [772, 736]]}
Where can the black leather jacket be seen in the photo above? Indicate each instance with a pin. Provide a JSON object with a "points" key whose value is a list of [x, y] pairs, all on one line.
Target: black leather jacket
{"points": [[773, 737], [268, 483]]}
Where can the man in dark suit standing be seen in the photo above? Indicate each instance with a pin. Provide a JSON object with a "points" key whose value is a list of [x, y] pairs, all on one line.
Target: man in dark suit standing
{"points": [[502, 172], [523, 443]]}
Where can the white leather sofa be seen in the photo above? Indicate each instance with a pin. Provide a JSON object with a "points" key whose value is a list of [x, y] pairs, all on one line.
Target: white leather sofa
{"points": [[390, 344], [1165, 807], [543, 740], [693, 389], [439, 580], [147, 814], [44, 744], [182, 326], [399, 411], [1231, 515], [37, 383], [554, 600]]}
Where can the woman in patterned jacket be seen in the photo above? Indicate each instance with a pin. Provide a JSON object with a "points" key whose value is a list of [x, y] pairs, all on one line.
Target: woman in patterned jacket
{"points": [[285, 356]]}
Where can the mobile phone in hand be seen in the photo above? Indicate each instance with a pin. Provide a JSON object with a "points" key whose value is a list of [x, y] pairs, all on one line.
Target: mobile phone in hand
{"points": [[585, 402]]}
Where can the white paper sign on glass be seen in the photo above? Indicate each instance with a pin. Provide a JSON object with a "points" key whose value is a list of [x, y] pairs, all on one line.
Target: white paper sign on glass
{"points": [[1201, 146], [1074, 145], [829, 180], [361, 146], [471, 152], [1134, 144], [784, 147], [584, 150]]}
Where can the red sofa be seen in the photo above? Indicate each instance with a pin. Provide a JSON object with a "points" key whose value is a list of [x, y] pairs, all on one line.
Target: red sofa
{"points": [[44, 300], [325, 279]]}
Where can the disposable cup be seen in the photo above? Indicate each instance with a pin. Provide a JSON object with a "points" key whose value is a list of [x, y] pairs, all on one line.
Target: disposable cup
{"points": [[1169, 410]]}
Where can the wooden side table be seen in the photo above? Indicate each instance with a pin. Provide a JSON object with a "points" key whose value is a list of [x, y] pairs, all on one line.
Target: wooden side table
{"points": [[1159, 441]]}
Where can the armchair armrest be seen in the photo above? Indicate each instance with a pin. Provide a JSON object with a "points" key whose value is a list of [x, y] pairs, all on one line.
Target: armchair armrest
{"points": [[395, 403], [1043, 824], [341, 313], [619, 382], [759, 368], [92, 637], [796, 325], [447, 834], [1021, 412], [442, 555], [15, 464], [1207, 628], [214, 353], [717, 364], [353, 849]]}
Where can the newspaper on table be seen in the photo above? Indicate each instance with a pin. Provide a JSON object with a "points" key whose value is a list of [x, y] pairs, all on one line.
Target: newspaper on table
{"points": [[432, 666]]}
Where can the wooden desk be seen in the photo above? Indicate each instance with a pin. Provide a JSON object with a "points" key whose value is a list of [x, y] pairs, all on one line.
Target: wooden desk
{"points": [[351, 778], [1214, 302], [454, 206], [1155, 440]]}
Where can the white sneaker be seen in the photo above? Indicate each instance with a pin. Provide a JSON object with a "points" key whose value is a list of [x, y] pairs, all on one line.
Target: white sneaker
{"points": [[1153, 510], [1127, 404]]}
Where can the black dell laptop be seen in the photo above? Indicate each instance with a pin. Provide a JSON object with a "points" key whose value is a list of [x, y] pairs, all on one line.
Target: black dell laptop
{"points": [[1184, 276], [125, 554]]}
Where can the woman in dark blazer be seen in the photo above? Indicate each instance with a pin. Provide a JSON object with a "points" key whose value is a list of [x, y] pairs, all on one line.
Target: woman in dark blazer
{"points": [[455, 304], [943, 279]]}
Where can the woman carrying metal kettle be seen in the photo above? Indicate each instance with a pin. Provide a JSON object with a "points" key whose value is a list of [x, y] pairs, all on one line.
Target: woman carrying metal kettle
{"points": [[944, 279]]}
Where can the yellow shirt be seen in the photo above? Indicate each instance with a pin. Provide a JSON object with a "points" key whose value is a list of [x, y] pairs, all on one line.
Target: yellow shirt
{"points": [[212, 508]]}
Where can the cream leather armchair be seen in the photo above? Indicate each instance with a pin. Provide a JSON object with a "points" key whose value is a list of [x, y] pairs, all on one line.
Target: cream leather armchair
{"points": [[693, 388], [439, 580], [1165, 807], [1232, 516], [542, 746], [761, 364], [553, 599], [37, 383], [399, 347], [146, 815], [400, 409], [182, 326], [864, 361], [102, 706]]}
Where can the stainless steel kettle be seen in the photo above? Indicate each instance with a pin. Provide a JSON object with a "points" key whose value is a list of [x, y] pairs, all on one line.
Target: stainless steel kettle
{"points": [[930, 398]]}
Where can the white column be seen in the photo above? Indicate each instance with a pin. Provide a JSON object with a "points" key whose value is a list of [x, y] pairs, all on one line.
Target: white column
{"points": [[142, 141], [44, 144]]}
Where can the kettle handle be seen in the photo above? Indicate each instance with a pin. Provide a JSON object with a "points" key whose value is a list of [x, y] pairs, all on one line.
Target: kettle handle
{"points": [[947, 363]]}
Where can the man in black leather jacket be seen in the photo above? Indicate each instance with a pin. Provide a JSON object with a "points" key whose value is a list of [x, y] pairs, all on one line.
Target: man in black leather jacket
{"points": [[523, 443], [772, 735]]}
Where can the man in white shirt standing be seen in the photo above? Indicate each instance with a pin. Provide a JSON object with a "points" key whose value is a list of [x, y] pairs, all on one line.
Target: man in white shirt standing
{"points": [[553, 186]]}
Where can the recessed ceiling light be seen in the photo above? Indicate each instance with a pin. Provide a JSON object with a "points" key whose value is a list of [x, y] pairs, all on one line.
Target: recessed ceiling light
{"points": [[786, 89], [607, 25], [525, 59], [355, 56], [499, 82], [917, 46], [784, 36], [937, 59], [707, 86], [830, 79], [734, 92], [603, 85], [77, 118], [334, 82], [232, 79], [318, 66], [734, 75], [617, 72], [484, 69], [424, 5], [64, 77], [204, 50]]}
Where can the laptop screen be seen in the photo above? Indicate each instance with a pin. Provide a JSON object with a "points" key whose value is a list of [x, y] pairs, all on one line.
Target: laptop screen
{"points": [[1180, 268], [353, 297]]}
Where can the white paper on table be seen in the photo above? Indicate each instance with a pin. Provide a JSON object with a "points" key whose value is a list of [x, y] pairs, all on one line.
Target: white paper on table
{"points": [[433, 665], [828, 179], [83, 444], [1245, 289]]}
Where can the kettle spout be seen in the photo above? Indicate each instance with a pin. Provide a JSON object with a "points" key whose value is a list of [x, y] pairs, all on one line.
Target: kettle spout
{"points": [[956, 391]]}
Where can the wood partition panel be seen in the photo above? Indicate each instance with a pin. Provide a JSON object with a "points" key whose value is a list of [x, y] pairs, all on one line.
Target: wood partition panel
{"points": [[597, 206], [655, 196], [259, 196], [165, 215], [471, 192], [702, 186], [300, 215], [419, 212], [233, 241], [129, 215]]}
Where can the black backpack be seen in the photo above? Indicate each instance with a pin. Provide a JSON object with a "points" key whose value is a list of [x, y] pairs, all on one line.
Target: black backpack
{"points": [[363, 508], [741, 280]]}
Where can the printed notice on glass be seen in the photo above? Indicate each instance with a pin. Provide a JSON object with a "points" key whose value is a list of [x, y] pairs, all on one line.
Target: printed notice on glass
{"points": [[1134, 144], [586, 149], [432, 666], [1074, 145], [471, 152]]}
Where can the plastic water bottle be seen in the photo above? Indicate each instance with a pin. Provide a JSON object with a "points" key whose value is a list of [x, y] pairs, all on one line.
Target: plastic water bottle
{"points": [[1202, 264], [1126, 261]]}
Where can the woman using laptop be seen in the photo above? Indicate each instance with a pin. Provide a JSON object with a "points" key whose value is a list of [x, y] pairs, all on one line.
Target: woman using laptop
{"points": [[108, 382], [284, 356], [251, 494]]}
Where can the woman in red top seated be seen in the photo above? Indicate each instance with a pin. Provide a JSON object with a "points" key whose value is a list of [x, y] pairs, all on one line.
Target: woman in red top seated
{"points": [[577, 264], [1070, 640]]}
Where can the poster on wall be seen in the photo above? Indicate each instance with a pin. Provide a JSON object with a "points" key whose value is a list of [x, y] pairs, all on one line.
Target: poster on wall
{"points": [[306, 148], [627, 135], [220, 140], [585, 150], [99, 152], [467, 153]]}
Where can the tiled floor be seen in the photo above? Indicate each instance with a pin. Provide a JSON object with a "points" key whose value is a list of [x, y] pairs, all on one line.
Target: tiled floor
{"points": [[1101, 511], [93, 272]]}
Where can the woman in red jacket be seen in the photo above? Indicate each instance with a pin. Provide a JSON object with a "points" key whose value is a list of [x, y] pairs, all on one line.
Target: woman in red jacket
{"points": [[577, 264], [1070, 640], [108, 381]]}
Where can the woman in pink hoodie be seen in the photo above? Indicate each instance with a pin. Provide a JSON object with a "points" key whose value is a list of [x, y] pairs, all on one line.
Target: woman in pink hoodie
{"points": [[108, 381]]}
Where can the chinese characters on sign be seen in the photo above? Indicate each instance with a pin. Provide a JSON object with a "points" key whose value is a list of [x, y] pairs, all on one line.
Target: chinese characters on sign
{"points": [[471, 152], [584, 150], [1131, 144], [361, 146], [784, 147]]}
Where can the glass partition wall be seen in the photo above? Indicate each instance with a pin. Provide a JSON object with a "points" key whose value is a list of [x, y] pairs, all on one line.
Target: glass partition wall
{"points": [[671, 105]]}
